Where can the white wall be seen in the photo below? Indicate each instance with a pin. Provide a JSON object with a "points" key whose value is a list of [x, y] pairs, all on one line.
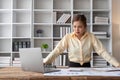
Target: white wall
{"points": [[116, 28]]}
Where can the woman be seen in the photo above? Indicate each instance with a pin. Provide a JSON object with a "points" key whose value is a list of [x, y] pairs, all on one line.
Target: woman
{"points": [[80, 44]]}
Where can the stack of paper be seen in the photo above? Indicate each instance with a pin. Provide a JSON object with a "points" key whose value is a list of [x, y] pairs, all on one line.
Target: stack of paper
{"points": [[86, 72]]}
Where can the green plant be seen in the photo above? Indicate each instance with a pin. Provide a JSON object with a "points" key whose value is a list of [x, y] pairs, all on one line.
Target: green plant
{"points": [[44, 46]]}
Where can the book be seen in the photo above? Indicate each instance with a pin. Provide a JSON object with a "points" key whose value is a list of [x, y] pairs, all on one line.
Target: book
{"points": [[57, 61], [64, 60], [4, 65], [54, 17], [17, 65], [4, 58], [16, 61], [4, 61], [100, 34]]}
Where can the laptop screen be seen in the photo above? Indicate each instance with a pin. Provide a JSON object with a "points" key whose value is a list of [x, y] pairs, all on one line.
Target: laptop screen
{"points": [[31, 59]]}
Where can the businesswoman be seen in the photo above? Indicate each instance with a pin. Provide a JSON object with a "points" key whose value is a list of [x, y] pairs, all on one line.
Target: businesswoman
{"points": [[80, 43]]}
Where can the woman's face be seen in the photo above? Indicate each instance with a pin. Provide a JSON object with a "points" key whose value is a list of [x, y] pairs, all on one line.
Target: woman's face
{"points": [[78, 28]]}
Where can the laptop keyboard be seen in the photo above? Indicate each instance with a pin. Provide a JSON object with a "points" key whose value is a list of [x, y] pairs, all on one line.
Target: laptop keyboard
{"points": [[49, 66]]}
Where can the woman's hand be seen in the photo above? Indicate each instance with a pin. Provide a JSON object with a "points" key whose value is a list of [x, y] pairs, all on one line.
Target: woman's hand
{"points": [[118, 66]]}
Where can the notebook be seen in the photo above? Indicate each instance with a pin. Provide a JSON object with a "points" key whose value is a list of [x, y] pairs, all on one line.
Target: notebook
{"points": [[32, 60]]}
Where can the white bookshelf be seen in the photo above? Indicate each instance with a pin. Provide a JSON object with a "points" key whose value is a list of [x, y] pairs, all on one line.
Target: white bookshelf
{"points": [[102, 8], [21, 19], [5, 32]]}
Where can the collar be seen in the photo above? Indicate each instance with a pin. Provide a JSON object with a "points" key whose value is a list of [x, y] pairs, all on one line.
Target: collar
{"points": [[86, 34]]}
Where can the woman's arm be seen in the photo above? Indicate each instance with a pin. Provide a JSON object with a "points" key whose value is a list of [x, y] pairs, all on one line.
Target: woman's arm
{"points": [[99, 48], [61, 46]]}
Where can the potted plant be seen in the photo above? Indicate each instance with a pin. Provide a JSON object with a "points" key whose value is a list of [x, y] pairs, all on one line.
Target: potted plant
{"points": [[44, 46]]}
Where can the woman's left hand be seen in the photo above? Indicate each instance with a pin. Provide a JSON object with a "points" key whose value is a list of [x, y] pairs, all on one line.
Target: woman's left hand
{"points": [[118, 66]]}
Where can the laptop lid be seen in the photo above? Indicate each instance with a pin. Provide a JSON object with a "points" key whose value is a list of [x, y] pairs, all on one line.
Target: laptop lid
{"points": [[31, 59]]}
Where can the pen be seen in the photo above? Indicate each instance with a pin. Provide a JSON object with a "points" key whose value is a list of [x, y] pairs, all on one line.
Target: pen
{"points": [[112, 70]]}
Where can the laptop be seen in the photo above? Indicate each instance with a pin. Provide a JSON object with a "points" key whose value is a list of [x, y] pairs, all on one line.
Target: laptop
{"points": [[31, 60]]}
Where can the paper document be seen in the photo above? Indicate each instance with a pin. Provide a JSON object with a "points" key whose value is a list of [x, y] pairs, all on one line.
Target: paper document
{"points": [[112, 69], [86, 72]]}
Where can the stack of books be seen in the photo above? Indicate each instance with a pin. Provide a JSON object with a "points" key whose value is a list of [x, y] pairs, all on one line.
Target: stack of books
{"points": [[101, 20], [4, 61], [16, 62], [64, 18], [98, 61]]}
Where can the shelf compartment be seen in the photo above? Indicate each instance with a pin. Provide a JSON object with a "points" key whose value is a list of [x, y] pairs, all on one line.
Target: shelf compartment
{"points": [[5, 45], [43, 4], [39, 42], [15, 55], [103, 14], [101, 28], [81, 4], [21, 31], [42, 17], [62, 4], [43, 30], [89, 28], [106, 44], [21, 17], [102, 31], [5, 31], [5, 4], [59, 19], [22, 4], [5, 17], [101, 4], [45, 54]]}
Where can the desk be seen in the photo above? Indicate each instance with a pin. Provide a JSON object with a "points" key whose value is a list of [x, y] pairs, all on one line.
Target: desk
{"points": [[15, 73]]}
